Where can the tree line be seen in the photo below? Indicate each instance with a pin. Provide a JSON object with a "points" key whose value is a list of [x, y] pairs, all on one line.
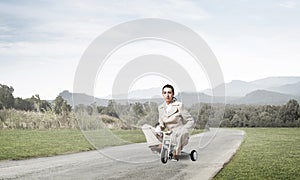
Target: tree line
{"points": [[212, 115], [230, 115], [33, 112], [35, 103], [133, 115], [136, 114]]}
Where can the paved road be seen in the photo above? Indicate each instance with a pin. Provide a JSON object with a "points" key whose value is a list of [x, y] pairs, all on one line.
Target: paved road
{"points": [[135, 161]]}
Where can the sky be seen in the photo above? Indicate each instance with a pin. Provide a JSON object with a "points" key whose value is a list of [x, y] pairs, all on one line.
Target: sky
{"points": [[42, 42]]}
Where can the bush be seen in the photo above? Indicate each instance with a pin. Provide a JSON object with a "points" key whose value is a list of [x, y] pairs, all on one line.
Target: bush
{"points": [[14, 119]]}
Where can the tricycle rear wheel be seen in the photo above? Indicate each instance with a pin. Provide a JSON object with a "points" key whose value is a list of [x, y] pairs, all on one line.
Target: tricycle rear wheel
{"points": [[194, 155]]}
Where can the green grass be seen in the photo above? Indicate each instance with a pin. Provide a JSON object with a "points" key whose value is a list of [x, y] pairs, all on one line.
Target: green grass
{"points": [[197, 131], [22, 144], [266, 153], [131, 136]]}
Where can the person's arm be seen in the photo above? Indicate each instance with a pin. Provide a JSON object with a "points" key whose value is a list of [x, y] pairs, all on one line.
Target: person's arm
{"points": [[160, 121], [189, 120]]}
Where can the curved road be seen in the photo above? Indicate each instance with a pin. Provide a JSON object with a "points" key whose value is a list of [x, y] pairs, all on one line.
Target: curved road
{"points": [[134, 161]]}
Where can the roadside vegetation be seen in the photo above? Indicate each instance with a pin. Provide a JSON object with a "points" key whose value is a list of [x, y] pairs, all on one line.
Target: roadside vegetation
{"points": [[266, 153], [22, 144], [34, 127], [35, 113], [19, 144]]}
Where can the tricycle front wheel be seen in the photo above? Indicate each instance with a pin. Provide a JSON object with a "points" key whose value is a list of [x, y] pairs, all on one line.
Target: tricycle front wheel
{"points": [[164, 156]]}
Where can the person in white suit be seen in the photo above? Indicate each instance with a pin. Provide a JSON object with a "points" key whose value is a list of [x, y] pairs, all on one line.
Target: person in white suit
{"points": [[172, 117]]}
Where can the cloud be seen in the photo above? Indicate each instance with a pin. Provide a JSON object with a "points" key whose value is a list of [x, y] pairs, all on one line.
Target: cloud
{"points": [[50, 33], [288, 4], [35, 23], [141, 9]]}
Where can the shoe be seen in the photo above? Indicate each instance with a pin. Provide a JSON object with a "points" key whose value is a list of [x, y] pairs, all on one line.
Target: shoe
{"points": [[175, 157]]}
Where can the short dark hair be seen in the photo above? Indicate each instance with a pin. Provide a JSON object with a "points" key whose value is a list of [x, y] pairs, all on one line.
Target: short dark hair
{"points": [[168, 86]]}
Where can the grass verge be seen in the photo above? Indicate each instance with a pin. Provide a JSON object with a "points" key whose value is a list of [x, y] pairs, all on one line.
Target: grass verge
{"points": [[266, 153], [19, 144]]}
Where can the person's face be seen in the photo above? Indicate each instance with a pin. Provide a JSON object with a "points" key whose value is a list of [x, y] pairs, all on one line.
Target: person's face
{"points": [[168, 95]]}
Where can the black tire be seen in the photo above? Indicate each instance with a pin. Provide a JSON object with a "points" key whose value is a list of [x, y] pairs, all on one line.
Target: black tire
{"points": [[164, 156], [194, 155]]}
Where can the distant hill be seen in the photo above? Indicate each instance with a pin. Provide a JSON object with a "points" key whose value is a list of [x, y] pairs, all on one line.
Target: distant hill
{"points": [[275, 81], [80, 98], [293, 89], [145, 93], [192, 98], [234, 88], [260, 97], [241, 88], [271, 90], [263, 97], [139, 94]]}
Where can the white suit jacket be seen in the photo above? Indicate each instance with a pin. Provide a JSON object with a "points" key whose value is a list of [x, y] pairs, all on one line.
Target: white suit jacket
{"points": [[176, 118]]}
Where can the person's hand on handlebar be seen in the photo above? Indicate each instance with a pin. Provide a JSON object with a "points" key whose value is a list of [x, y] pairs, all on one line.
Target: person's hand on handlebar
{"points": [[158, 131], [169, 132]]}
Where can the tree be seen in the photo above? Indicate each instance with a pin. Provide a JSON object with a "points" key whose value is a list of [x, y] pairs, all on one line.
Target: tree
{"points": [[45, 106], [100, 109], [236, 120], [292, 110], [6, 97], [265, 119], [110, 110], [38, 104], [138, 109], [204, 116], [228, 113], [61, 106], [36, 100], [289, 112], [24, 105], [253, 117], [149, 115], [90, 110]]}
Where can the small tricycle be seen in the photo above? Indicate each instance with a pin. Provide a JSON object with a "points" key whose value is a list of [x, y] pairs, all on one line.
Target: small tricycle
{"points": [[168, 146]]}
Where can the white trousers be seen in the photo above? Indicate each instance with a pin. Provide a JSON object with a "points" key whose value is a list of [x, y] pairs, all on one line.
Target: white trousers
{"points": [[180, 136], [152, 139]]}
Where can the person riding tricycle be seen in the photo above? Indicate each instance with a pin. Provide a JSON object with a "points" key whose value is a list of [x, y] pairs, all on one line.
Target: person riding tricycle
{"points": [[171, 133]]}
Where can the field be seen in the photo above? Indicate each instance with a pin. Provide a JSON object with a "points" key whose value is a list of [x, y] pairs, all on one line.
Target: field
{"points": [[22, 144], [266, 153]]}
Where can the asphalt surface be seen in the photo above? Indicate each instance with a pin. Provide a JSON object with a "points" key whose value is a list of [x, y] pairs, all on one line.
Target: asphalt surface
{"points": [[135, 161]]}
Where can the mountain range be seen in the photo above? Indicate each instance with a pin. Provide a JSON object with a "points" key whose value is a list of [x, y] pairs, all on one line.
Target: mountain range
{"points": [[285, 85], [271, 90]]}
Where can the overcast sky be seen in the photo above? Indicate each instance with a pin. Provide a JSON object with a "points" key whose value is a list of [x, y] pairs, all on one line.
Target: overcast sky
{"points": [[41, 42]]}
